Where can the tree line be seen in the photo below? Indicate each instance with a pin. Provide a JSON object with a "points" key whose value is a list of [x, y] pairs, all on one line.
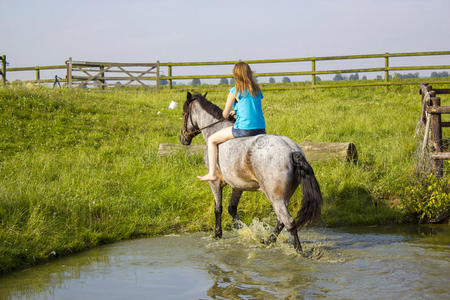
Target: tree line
{"points": [[337, 77]]}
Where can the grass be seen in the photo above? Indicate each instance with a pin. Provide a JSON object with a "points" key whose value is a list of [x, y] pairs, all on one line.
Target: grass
{"points": [[80, 168]]}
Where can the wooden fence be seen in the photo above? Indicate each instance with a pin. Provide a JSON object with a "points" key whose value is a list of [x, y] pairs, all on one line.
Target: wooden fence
{"points": [[387, 69], [314, 72], [432, 122]]}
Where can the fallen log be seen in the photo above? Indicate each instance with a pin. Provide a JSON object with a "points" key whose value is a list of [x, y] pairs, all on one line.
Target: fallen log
{"points": [[314, 152]]}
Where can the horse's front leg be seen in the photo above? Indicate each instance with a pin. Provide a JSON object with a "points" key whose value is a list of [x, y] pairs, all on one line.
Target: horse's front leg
{"points": [[232, 207], [217, 191]]}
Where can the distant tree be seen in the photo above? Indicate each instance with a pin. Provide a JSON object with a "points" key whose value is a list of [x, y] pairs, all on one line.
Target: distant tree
{"points": [[338, 77], [196, 81], [163, 82], [318, 78], [286, 80], [439, 74], [364, 77], [232, 81], [223, 81], [379, 77], [354, 77], [271, 80]]}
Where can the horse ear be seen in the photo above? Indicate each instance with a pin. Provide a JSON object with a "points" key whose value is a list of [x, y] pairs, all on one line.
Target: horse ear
{"points": [[189, 96], [204, 96]]}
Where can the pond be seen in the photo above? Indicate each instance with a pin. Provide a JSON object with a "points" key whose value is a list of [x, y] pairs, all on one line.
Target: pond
{"points": [[402, 262]]}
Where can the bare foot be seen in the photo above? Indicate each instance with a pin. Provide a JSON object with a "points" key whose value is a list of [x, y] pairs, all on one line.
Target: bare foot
{"points": [[207, 177]]}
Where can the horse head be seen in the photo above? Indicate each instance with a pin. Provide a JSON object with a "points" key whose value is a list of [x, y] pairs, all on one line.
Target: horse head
{"points": [[190, 127]]}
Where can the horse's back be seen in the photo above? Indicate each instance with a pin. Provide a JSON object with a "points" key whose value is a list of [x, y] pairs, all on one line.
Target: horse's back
{"points": [[251, 162]]}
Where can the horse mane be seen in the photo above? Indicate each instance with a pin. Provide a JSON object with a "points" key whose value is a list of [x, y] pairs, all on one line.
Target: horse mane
{"points": [[208, 106]]}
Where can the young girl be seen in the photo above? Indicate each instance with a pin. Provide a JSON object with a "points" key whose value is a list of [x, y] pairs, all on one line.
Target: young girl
{"points": [[246, 97]]}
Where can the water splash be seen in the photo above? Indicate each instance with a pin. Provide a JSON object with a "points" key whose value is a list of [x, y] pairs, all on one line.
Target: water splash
{"points": [[250, 238]]}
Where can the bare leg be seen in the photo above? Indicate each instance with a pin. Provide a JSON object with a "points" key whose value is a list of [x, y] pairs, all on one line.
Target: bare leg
{"points": [[220, 136]]}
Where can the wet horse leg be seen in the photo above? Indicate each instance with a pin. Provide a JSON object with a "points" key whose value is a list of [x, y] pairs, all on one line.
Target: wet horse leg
{"points": [[283, 215], [273, 237], [232, 207], [217, 191]]}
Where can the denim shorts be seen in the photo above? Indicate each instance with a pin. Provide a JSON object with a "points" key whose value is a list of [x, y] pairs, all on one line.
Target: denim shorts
{"points": [[247, 132]]}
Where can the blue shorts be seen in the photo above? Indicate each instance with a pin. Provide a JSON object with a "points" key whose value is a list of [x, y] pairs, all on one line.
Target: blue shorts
{"points": [[247, 132]]}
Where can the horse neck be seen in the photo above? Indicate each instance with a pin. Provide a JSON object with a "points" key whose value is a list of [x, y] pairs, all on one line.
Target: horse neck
{"points": [[204, 119]]}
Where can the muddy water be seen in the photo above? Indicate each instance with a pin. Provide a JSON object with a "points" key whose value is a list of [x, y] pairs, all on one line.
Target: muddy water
{"points": [[347, 263]]}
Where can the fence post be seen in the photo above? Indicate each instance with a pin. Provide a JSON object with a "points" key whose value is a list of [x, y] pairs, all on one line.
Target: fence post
{"points": [[69, 72], [313, 61], [3, 70], [436, 133], [102, 76], [169, 72], [38, 75], [157, 76], [386, 71]]}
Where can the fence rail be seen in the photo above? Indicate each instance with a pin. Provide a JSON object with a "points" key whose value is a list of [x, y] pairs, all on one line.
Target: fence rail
{"points": [[313, 72]]}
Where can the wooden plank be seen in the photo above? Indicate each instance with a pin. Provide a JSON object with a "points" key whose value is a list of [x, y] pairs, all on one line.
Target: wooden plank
{"points": [[442, 91], [440, 155], [438, 110], [265, 61], [112, 64], [314, 152]]}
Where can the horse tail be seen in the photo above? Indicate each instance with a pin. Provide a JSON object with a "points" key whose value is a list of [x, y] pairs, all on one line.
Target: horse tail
{"points": [[312, 197]]}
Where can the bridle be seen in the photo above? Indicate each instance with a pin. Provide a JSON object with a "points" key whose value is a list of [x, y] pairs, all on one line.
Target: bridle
{"points": [[190, 135]]}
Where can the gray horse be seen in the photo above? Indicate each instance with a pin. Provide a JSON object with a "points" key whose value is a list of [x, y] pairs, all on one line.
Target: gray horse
{"points": [[272, 164]]}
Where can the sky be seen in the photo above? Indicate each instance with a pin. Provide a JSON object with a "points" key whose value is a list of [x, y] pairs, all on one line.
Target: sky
{"points": [[48, 32]]}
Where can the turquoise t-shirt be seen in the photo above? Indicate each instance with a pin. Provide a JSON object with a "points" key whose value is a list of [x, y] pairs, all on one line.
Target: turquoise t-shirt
{"points": [[248, 110]]}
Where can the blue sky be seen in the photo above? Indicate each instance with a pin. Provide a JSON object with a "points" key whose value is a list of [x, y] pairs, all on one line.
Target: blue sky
{"points": [[48, 32]]}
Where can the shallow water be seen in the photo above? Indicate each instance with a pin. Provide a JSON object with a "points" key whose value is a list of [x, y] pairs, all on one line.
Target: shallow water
{"points": [[402, 262]]}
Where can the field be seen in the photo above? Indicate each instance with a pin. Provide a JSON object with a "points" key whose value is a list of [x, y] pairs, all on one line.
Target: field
{"points": [[79, 168]]}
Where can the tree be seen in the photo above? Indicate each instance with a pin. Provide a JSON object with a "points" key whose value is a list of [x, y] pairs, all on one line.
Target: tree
{"points": [[286, 80], [223, 81], [338, 77], [196, 81], [318, 78], [163, 82], [271, 80], [232, 81], [354, 77], [364, 77], [379, 77]]}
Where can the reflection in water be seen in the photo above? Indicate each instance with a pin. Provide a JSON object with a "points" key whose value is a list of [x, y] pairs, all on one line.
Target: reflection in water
{"points": [[370, 263]]}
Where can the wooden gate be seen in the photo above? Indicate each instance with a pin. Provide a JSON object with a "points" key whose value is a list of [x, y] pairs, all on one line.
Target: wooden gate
{"points": [[93, 74]]}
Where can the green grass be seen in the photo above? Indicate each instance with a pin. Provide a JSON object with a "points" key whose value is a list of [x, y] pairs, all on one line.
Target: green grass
{"points": [[80, 168]]}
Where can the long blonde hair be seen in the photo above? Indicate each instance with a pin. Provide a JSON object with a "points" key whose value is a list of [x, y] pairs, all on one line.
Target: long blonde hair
{"points": [[244, 80]]}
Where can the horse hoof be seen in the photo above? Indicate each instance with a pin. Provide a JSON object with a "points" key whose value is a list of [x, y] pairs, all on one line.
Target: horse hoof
{"points": [[237, 224], [272, 239]]}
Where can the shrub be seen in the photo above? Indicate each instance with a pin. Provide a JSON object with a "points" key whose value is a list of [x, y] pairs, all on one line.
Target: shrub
{"points": [[428, 199]]}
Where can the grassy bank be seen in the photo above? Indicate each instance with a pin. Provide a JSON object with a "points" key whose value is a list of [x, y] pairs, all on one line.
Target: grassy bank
{"points": [[80, 168]]}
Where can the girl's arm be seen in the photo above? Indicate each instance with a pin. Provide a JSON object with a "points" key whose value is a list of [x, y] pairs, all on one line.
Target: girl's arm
{"points": [[230, 101]]}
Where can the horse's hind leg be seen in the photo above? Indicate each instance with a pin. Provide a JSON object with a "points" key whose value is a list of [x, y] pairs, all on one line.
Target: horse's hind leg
{"points": [[273, 237], [232, 207], [283, 215], [217, 191]]}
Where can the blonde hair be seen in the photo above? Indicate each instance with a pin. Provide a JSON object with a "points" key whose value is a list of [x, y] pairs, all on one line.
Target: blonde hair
{"points": [[243, 77]]}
